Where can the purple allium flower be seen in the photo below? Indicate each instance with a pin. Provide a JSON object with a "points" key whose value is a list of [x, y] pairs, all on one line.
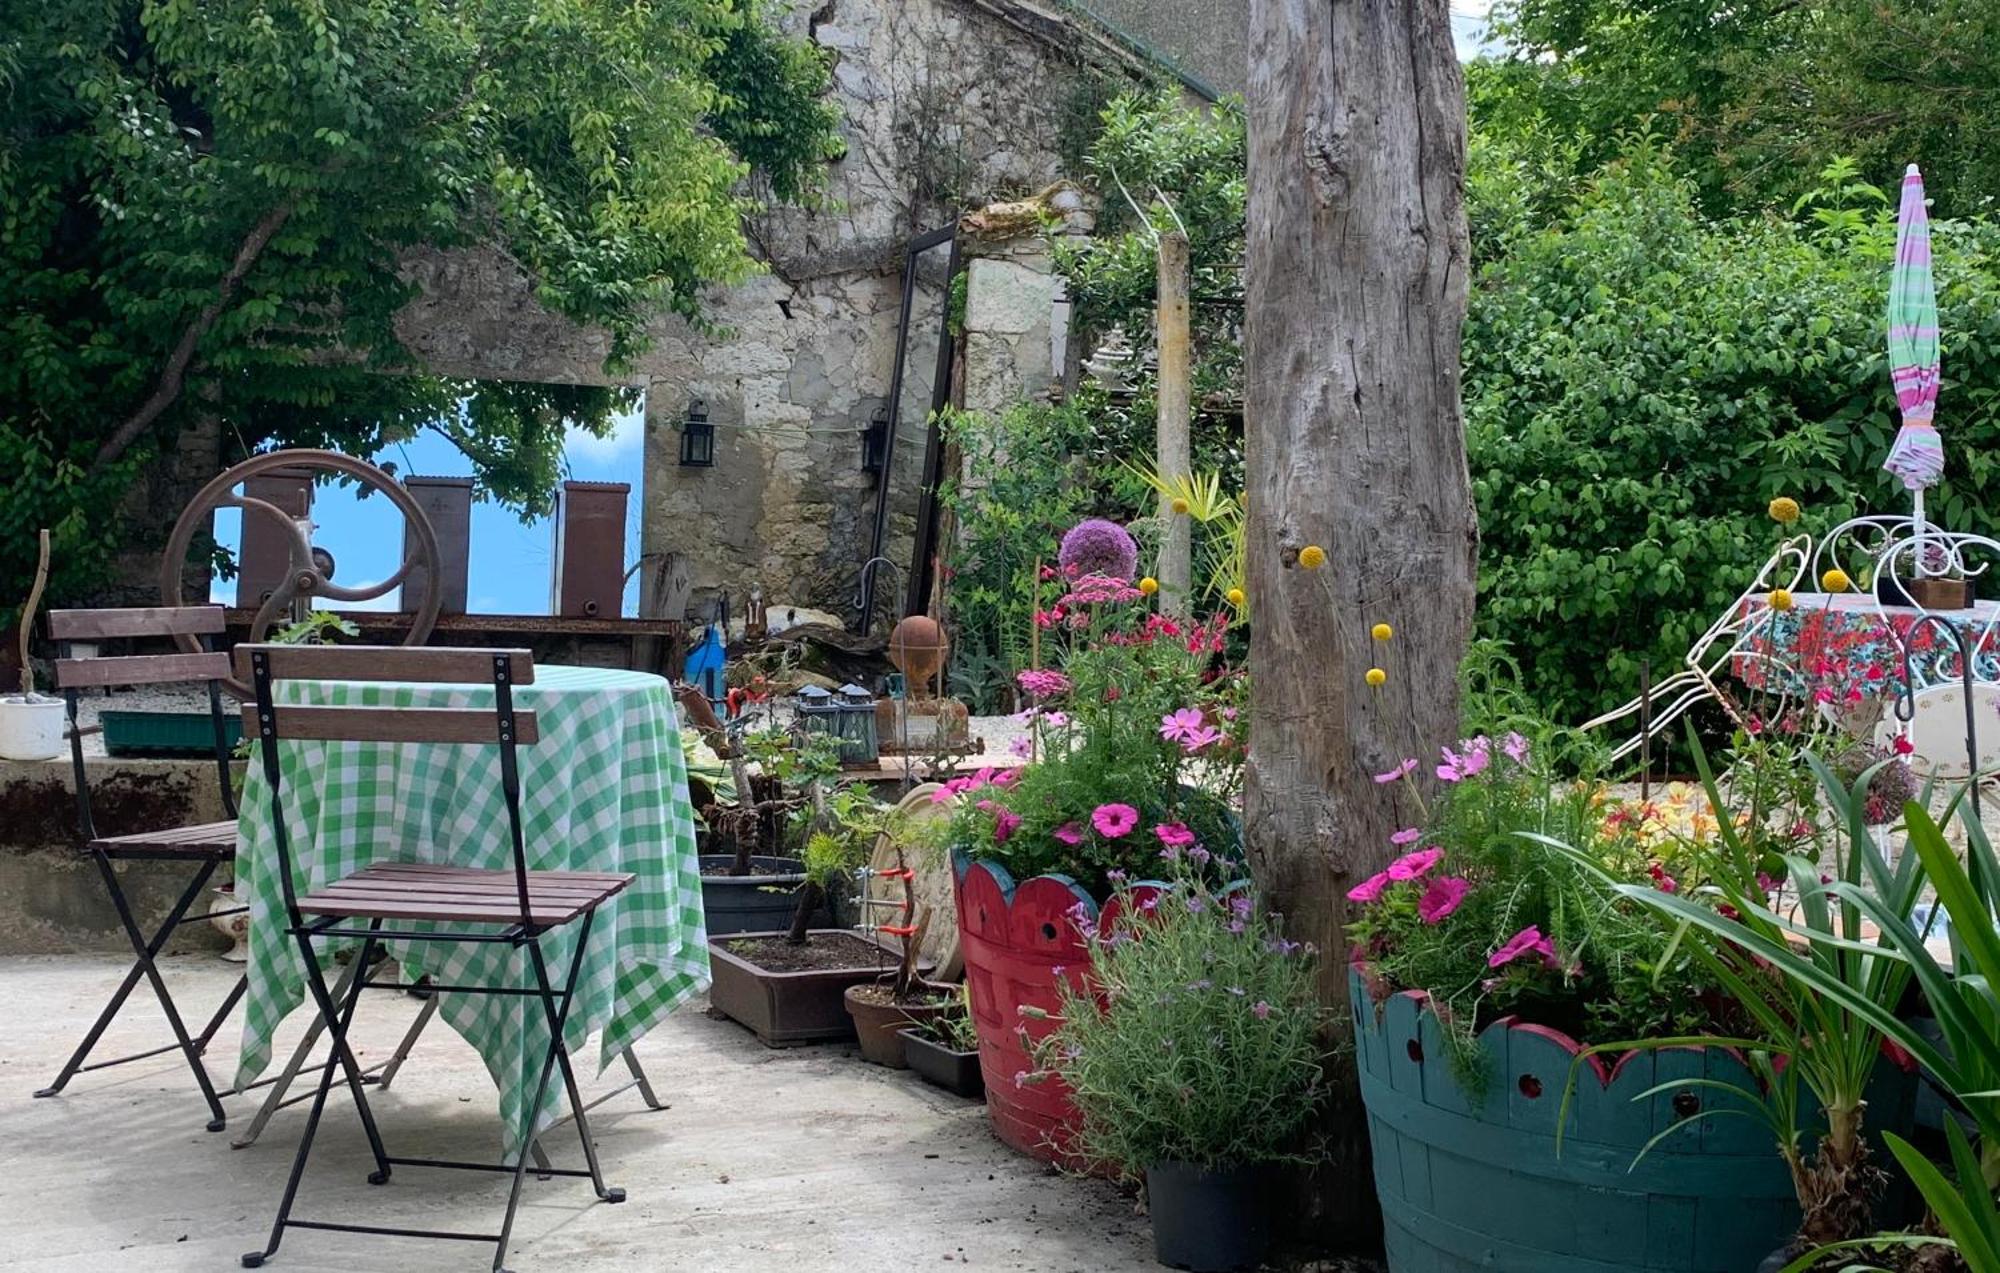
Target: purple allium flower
{"points": [[1098, 547]]}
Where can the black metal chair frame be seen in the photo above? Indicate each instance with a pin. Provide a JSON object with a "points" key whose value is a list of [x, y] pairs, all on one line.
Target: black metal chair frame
{"points": [[146, 949], [522, 933]]}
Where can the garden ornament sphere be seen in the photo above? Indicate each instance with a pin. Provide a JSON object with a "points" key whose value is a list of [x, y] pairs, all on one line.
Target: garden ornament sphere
{"points": [[917, 648]]}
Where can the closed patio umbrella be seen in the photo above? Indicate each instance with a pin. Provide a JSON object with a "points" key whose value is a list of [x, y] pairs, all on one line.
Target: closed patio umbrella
{"points": [[1918, 454]]}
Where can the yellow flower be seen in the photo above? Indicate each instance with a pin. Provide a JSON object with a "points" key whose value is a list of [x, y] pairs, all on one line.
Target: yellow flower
{"points": [[1835, 580], [1780, 599], [1236, 597], [1149, 585], [1377, 677], [1381, 632], [1180, 506], [1784, 510], [1312, 556]]}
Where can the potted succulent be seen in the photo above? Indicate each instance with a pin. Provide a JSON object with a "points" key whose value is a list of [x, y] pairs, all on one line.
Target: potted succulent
{"points": [[1138, 735], [1193, 1059], [31, 724], [789, 985], [944, 1049]]}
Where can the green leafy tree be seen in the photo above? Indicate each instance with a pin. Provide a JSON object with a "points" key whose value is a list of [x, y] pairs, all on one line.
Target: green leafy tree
{"points": [[203, 204]]}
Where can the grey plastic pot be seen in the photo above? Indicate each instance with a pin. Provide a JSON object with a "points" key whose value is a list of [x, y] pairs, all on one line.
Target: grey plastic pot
{"points": [[753, 903], [940, 1066], [1208, 1221]]}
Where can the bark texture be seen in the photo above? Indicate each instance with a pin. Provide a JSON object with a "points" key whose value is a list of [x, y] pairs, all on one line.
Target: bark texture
{"points": [[1356, 289]]}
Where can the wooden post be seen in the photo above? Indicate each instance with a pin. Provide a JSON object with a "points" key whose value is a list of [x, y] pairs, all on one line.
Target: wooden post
{"points": [[1173, 458], [1355, 288]]}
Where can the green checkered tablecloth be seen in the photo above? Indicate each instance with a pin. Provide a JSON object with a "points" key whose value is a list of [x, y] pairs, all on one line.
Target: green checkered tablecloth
{"points": [[604, 790]]}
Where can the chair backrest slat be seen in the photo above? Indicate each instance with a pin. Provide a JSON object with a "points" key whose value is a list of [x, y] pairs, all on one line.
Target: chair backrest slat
{"points": [[433, 665], [392, 724], [140, 669], [135, 621]]}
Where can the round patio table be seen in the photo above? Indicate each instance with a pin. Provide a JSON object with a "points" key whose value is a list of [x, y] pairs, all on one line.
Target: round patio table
{"points": [[605, 789], [1845, 648]]}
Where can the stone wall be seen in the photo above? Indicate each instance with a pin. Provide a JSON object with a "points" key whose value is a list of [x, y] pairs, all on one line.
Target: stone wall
{"points": [[948, 104]]}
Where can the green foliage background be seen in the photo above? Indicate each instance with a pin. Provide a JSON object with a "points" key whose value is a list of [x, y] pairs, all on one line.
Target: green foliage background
{"points": [[151, 149]]}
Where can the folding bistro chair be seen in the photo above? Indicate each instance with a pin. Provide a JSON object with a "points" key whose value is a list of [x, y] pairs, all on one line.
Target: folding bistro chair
{"points": [[400, 901], [203, 847]]}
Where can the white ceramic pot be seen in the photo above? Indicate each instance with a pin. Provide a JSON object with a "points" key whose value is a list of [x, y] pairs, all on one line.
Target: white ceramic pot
{"points": [[31, 728], [235, 927]]}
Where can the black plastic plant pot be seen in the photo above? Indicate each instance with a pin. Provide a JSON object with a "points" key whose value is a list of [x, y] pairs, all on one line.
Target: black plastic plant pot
{"points": [[1208, 1221], [940, 1066], [753, 903]]}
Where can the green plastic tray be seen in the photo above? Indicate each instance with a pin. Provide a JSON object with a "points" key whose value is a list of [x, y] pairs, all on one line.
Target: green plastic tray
{"points": [[165, 733]]}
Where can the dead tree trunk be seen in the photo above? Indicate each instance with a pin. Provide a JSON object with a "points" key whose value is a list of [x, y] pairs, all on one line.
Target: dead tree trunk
{"points": [[1356, 289]]}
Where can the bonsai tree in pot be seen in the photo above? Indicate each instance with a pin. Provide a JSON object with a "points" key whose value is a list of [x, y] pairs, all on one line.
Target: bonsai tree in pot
{"points": [[882, 1009], [751, 888], [1193, 1059]]}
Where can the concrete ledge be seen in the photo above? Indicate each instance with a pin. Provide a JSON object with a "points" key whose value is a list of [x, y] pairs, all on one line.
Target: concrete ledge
{"points": [[52, 899]]}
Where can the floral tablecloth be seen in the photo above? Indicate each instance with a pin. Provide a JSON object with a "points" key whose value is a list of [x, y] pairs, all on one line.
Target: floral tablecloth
{"points": [[1846, 648]]}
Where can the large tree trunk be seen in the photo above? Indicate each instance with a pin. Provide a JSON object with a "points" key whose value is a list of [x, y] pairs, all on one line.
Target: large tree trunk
{"points": [[1355, 289]]}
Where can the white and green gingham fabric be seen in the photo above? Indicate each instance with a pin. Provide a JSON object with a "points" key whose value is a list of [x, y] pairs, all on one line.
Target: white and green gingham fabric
{"points": [[605, 789]]}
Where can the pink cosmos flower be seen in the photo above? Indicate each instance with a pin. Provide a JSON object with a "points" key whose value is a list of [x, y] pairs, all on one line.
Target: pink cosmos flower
{"points": [[1069, 833], [1114, 820], [1415, 865], [1400, 771], [1043, 683], [1175, 834], [1201, 738], [1408, 835], [1441, 897], [1055, 720], [1179, 726], [1516, 748], [1529, 941], [1022, 747], [1369, 889]]}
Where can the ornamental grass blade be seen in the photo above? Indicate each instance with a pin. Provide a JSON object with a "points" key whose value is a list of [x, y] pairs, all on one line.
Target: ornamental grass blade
{"points": [[1970, 1229]]}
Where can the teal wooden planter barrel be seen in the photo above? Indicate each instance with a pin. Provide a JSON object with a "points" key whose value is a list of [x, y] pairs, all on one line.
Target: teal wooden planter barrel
{"points": [[1467, 1186]]}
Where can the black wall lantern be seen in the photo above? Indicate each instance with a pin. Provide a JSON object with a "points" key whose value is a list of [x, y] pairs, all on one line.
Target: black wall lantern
{"points": [[875, 442], [697, 438]]}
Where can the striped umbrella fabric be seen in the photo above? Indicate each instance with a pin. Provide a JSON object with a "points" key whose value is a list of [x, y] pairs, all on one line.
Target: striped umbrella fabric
{"points": [[1918, 455]]}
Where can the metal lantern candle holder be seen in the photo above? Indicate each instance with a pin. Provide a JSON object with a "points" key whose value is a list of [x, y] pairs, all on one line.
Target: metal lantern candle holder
{"points": [[846, 715]]}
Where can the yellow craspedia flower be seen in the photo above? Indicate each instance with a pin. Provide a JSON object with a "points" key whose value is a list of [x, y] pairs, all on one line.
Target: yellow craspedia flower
{"points": [[1780, 598], [1236, 597], [1179, 505], [1312, 556], [1381, 632], [1149, 585], [1784, 510], [1835, 580], [1376, 677]]}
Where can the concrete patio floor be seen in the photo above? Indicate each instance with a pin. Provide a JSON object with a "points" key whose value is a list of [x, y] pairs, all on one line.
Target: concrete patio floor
{"points": [[797, 1160]]}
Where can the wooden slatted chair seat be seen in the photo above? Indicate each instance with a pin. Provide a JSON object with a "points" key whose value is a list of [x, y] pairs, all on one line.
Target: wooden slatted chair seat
{"points": [[202, 840], [463, 894]]}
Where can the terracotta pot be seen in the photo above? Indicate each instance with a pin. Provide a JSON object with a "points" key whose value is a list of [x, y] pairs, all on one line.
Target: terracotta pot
{"points": [[879, 1025]]}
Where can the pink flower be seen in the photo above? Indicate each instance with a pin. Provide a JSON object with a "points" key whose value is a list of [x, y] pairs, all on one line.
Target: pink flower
{"points": [[1005, 823], [1529, 941], [1369, 889], [1175, 834], [1043, 683], [1006, 777], [1201, 738], [1182, 725], [1400, 771], [1903, 745], [1069, 833], [1441, 897], [1022, 747], [1260, 1010], [1661, 880], [1408, 835], [1114, 820], [1055, 720], [1516, 748], [1414, 865]]}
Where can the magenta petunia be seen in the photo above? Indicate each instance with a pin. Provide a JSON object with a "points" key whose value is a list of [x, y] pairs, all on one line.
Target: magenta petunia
{"points": [[1005, 823], [1529, 941], [1175, 834], [1114, 820], [1400, 771], [1412, 866], [1441, 897], [1408, 835], [1069, 833], [1369, 889]]}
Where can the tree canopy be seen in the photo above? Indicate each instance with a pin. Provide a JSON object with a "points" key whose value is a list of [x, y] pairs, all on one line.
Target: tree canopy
{"points": [[203, 205]]}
